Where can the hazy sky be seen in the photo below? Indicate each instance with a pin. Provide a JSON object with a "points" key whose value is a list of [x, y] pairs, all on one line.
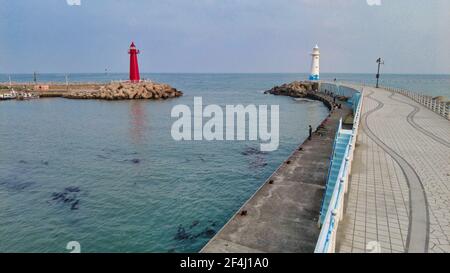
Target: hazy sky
{"points": [[413, 36]]}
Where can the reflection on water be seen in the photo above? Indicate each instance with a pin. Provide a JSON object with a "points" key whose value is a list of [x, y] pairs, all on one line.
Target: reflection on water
{"points": [[138, 121]]}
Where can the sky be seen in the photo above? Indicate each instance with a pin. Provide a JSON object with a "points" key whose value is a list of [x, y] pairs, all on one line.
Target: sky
{"points": [[221, 36]]}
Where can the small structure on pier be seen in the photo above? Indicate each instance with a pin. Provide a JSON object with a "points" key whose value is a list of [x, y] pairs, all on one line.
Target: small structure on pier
{"points": [[134, 66], [41, 87], [315, 70]]}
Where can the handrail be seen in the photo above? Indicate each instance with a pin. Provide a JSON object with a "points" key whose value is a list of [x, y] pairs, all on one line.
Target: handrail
{"points": [[442, 108], [333, 152], [327, 237], [330, 218]]}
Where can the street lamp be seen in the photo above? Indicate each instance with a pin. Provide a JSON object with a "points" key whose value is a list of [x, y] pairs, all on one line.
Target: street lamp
{"points": [[67, 81], [35, 77], [380, 62]]}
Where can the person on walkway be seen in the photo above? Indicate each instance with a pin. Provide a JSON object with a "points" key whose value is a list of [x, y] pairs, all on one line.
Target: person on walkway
{"points": [[310, 132]]}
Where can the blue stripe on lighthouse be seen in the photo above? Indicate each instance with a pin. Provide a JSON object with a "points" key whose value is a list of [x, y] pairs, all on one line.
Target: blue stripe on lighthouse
{"points": [[314, 77]]}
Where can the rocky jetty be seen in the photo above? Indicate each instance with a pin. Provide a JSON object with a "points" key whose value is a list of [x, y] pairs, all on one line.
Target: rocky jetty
{"points": [[295, 89], [128, 91]]}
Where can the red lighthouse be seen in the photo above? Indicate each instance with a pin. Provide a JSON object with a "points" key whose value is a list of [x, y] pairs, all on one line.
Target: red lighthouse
{"points": [[134, 66]]}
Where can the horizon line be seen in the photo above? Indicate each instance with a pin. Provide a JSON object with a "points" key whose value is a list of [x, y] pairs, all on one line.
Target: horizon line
{"points": [[307, 73]]}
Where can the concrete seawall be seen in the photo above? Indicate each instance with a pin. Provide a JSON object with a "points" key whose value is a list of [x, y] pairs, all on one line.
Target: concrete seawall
{"points": [[282, 215]]}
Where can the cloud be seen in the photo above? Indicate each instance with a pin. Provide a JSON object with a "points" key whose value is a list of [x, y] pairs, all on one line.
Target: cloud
{"points": [[73, 2]]}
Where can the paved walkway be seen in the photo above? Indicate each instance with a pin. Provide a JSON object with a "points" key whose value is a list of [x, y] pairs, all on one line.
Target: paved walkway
{"points": [[399, 193]]}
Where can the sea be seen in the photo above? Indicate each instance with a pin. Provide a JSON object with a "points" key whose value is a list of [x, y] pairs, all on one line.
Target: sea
{"points": [[109, 176]]}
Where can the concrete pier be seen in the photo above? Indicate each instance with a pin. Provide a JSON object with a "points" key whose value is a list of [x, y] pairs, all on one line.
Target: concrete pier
{"points": [[282, 216], [50, 89]]}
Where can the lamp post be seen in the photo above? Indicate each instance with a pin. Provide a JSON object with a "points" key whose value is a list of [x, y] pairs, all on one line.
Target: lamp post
{"points": [[35, 77], [380, 62], [67, 82]]}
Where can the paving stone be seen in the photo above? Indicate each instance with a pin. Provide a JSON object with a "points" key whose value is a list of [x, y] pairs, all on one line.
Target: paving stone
{"points": [[419, 136]]}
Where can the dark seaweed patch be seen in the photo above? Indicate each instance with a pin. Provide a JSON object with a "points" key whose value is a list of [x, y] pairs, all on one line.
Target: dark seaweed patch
{"points": [[20, 185], [183, 234], [207, 232], [133, 161], [258, 163], [118, 155], [171, 250], [72, 189], [253, 151], [194, 223], [68, 196], [75, 205], [256, 157], [14, 183]]}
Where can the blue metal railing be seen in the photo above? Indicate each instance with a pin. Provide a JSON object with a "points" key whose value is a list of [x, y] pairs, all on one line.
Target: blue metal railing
{"points": [[330, 166], [334, 211], [335, 203], [332, 214], [334, 147]]}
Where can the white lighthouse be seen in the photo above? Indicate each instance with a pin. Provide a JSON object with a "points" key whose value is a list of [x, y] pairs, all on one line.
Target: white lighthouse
{"points": [[315, 70]]}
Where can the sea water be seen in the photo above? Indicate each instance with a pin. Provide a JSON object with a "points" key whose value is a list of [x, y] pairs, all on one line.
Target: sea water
{"points": [[108, 174]]}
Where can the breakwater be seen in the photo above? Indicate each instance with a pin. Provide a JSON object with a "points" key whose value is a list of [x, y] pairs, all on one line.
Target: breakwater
{"points": [[283, 213], [126, 91], [111, 91]]}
